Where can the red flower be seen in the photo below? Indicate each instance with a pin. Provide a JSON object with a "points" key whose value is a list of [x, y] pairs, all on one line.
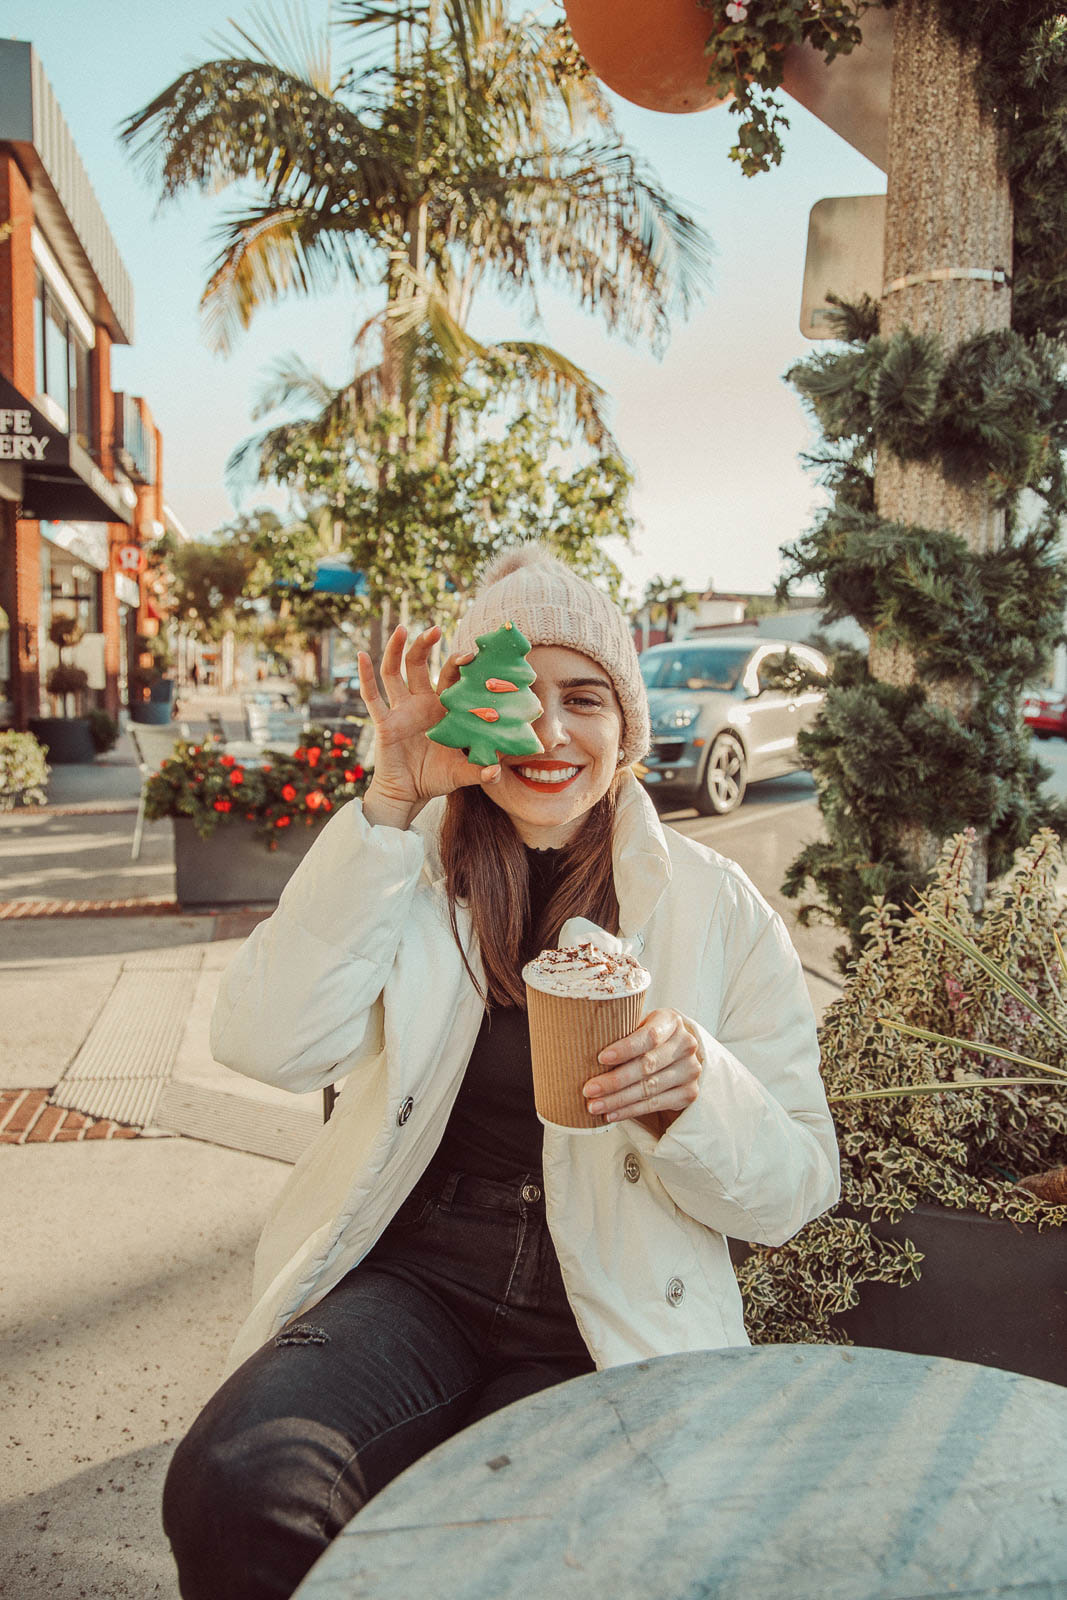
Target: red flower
{"points": [[237, 776], [282, 822], [222, 805], [288, 792], [314, 751], [327, 805], [300, 755], [265, 767], [228, 761], [340, 740], [353, 774], [315, 799]]}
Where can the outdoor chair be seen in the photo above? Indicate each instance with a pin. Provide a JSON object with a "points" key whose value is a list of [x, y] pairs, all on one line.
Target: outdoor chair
{"points": [[216, 727], [152, 747]]}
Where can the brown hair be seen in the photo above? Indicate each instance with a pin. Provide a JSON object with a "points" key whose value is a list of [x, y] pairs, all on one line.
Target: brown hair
{"points": [[485, 865]]}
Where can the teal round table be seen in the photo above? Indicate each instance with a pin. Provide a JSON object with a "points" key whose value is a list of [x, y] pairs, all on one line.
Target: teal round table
{"points": [[781, 1472]]}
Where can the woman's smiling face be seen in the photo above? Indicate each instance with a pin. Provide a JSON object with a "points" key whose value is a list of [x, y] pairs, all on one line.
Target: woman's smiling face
{"points": [[580, 729]]}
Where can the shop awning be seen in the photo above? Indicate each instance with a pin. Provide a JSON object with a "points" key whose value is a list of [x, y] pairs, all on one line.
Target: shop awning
{"points": [[60, 481]]}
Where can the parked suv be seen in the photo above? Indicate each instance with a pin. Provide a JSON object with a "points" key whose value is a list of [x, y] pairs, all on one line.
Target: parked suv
{"points": [[718, 723]]}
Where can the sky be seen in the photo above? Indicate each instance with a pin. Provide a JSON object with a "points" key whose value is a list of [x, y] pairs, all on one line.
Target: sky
{"points": [[710, 429]]}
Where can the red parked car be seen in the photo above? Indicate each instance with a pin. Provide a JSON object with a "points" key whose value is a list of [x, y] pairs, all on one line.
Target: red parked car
{"points": [[1046, 712]]}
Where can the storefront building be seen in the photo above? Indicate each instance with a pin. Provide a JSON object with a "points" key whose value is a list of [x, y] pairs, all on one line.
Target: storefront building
{"points": [[81, 484]]}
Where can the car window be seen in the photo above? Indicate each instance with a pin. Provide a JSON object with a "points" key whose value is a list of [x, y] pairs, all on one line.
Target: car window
{"points": [[694, 667], [769, 669]]}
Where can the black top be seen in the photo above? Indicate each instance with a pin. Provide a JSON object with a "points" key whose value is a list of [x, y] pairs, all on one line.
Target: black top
{"points": [[493, 1131]]}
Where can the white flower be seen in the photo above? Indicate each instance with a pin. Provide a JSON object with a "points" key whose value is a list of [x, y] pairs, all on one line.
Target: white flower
{"points": [[736, 11]]}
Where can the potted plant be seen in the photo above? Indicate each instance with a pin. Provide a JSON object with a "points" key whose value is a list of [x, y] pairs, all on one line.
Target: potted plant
{"points": [[945, 1062], [66, 736], [23, 771], [151, 690], [103, 730], [241, 827]]}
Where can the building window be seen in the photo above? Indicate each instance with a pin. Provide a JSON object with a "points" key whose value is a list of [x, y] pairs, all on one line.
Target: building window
{"points": [[63, 366], [71, 588]]}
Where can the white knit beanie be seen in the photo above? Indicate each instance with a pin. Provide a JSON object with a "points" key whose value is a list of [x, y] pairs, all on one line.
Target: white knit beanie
{"points": [[551, 604]]}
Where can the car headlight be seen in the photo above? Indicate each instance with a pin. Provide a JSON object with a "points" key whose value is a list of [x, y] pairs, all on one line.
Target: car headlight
{"points": [[670, 721]]}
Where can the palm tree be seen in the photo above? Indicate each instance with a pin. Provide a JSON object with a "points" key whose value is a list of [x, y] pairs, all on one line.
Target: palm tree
{"points": [[448, 157]]}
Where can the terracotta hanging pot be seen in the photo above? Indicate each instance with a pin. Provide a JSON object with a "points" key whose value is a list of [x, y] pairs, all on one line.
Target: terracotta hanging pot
{"points": [[649, 51]]}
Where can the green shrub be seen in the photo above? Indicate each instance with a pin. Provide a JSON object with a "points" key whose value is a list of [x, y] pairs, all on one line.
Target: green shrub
{"points": [[945, 1064], [103, 729], [23, 771], [214, 788]]}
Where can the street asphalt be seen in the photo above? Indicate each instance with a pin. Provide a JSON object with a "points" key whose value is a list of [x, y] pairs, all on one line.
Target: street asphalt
{"points": [[128, 1262]]}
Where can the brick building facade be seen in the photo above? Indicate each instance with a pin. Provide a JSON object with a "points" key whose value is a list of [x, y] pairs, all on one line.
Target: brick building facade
{"points": [[80, 466]]}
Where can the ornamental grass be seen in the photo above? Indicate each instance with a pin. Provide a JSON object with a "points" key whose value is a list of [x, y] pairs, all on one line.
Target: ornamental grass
{"points": [[945, 1064]]}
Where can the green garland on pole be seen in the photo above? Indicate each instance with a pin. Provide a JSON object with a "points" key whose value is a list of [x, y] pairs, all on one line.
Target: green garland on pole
{"points": [[881, 755], [995, 409]]}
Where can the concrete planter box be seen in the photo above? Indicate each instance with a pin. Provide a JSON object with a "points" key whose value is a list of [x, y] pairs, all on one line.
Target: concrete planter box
{"points": [[150, 713], [234, 866], [68, 740], [991, 1291]]}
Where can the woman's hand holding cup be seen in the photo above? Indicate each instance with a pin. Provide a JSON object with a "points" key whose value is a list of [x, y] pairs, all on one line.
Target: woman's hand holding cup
{"points": [[410, 769]]}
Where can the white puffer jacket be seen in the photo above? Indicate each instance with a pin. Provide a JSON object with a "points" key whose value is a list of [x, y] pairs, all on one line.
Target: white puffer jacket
{"points": [[357, 976]]}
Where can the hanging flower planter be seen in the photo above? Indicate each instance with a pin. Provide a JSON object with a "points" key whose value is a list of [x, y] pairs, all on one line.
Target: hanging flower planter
{"points": [[652, 52]]}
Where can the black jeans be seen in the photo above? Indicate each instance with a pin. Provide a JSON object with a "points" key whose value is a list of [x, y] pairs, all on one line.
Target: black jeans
{"points": [[458, 1310]]}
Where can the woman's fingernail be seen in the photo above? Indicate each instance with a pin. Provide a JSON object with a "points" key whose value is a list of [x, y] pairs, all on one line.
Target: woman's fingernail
{"points": [[606, 1056], [490, 773]]}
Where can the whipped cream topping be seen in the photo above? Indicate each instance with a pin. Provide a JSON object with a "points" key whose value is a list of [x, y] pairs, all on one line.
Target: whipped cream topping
{"points": [[583, 972]]}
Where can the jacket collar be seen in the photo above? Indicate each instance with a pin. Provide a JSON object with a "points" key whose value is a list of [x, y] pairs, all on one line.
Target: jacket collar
{"points": [[640, 855]]}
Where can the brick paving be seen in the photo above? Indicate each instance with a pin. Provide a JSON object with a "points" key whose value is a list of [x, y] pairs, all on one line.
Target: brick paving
{"points": [[149, 905], [26, 1117]]}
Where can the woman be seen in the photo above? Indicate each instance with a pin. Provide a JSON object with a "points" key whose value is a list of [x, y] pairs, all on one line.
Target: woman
{"points": [[438, 1253]]}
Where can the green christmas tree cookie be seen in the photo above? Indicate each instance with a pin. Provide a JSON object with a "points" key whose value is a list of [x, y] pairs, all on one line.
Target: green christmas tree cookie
{"points": [[490, 709]]}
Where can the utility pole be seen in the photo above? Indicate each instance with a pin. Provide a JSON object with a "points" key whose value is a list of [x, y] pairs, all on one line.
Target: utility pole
{"points": [[948, 260]]}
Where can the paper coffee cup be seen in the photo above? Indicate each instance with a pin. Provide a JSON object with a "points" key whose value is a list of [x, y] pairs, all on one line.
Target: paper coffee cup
{"points": [[566, 1036]]}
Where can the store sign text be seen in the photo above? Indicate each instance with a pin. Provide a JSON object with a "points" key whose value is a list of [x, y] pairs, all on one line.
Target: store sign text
{"points": [[18, 442]]}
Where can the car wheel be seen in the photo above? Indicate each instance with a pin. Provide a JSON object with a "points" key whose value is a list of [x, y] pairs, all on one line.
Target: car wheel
{"points": [[725, 778]]}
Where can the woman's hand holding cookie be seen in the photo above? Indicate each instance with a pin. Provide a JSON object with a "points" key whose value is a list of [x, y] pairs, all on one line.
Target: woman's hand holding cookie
{"points": [[410, 769]]}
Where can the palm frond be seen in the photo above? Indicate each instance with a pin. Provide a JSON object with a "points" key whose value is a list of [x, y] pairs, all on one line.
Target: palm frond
{"points": [[237, 118], [287, 39], [290, 379], [591, 217], [463, 24], [268, 253], [549, 376], [423, 307], [340, 416]]}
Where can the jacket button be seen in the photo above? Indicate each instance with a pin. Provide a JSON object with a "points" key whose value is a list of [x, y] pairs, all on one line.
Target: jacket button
{"points": [[405, 1111], [675, 1292], [632, 1168], [530, 1193]]}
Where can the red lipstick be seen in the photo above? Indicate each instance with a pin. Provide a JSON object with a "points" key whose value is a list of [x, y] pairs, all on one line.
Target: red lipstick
{"points": [[546, 766]]}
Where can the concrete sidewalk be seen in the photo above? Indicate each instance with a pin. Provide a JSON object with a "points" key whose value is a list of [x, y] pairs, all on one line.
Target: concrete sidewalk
{"points": [[127, 1266]]}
